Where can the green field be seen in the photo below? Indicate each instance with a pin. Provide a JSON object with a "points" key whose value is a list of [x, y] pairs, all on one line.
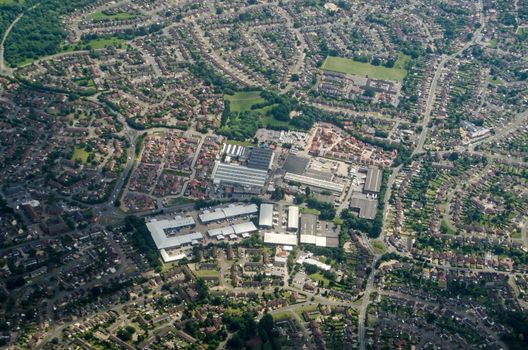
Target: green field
{"points": [[94, 44], [348, 66], [81, 154], [243, 100], [318, 277], [310, 211], [378, 246], [119, 16], [496, 81], [207, 273]]}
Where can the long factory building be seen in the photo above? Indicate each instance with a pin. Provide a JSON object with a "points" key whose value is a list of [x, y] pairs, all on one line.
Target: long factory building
{"points": [[228, 212], [313, 182]]}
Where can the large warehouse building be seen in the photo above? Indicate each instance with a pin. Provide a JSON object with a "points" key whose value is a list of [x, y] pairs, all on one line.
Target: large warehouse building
{"points": [[266, 215], [373, 180], [293, 218], [166, 235], [314, 182], [234, 174], [321, 234], [228, 212], [285, 239]]}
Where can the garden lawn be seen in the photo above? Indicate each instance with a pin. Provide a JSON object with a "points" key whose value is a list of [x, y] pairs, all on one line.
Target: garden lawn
{"points": [[318, 277], [348, 66], [81, 154]]}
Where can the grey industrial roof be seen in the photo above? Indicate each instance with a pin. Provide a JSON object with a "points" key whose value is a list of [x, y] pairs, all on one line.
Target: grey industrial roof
{"points": [[237, 174], [266, 215], [238, 229], [260, 158], [373, 180], [310, 181], [228, 230], [238, 210], [295, 164], [308, 224], [367, 207], [244, 227], [157, 230], [228, 212]]}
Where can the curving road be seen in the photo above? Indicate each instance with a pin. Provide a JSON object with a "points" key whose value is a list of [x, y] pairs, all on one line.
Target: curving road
{"points": [[3, 68]]}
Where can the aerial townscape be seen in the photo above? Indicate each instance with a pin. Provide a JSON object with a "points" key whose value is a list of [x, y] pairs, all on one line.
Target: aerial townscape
{"points": [[263, 174]]}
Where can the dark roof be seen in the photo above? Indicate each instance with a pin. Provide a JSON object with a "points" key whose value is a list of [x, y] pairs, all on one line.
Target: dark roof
{"points": [[260, 158], [367, 207], [373, 181], [296, 165]]}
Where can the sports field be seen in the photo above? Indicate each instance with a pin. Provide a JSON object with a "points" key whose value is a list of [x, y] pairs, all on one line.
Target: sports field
{"points": [[348, 66]]}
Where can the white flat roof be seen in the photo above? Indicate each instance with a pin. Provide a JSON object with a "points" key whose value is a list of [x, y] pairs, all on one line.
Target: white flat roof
{"points": [[293, 217], [266, 215], [244, 227], [228, 230], [215, 215], [311, 181], [157, 231], [228, 212], [238, 210], [171, 257], [311, 239], [280, 238], [314, 262], [232, 236]]}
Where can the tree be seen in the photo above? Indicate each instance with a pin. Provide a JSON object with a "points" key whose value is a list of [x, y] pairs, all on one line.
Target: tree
{"points": [[278, 194], [203, 289]]}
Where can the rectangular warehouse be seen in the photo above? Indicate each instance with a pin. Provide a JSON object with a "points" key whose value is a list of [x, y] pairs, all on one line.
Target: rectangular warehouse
{"points": [[162, 233], [227, 212], [266, 215], [313, 182], [280, 238], [373, 180], [293, 218], [260, 158], [235, 174]]}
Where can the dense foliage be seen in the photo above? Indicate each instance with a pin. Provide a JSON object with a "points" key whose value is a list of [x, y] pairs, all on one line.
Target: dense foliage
{"points": [[142, 240]]}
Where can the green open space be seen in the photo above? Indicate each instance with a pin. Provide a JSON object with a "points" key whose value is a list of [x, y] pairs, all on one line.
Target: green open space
{"points": [[348, 66], [522, 30], [81, 154], [207, 273], [93, 44], [242, 101], [282, 316], [240, 143], [495, 81], [118, 16], [318, 277], [308, 308], [378, 246], [310, 211]]}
